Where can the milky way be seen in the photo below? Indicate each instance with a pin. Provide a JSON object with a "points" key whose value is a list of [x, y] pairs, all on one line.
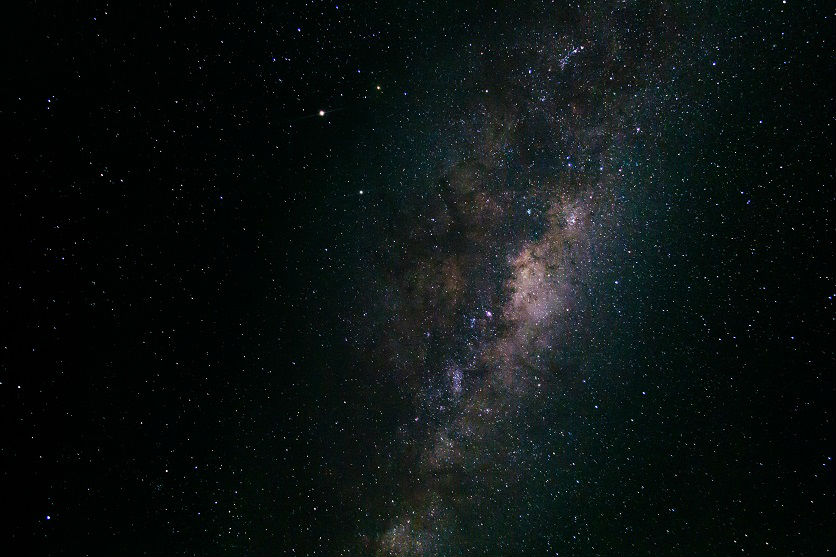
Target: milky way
{"points": [[490, 295]]}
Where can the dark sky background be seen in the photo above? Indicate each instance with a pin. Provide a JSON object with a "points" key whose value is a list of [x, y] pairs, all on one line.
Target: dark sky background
{"points": [[391, 278]]}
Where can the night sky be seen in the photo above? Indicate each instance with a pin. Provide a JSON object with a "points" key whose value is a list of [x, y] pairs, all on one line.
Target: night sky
{"points": [[418, 279]]}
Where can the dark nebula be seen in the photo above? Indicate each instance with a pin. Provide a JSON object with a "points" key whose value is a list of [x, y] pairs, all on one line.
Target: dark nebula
{"points": [[395, 279]]}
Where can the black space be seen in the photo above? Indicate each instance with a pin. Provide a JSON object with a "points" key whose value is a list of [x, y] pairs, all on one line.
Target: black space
{"points": [[389, 278]]}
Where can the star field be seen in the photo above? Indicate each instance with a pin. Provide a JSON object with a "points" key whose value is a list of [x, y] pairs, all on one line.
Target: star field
{"points": [[419, 279]]}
